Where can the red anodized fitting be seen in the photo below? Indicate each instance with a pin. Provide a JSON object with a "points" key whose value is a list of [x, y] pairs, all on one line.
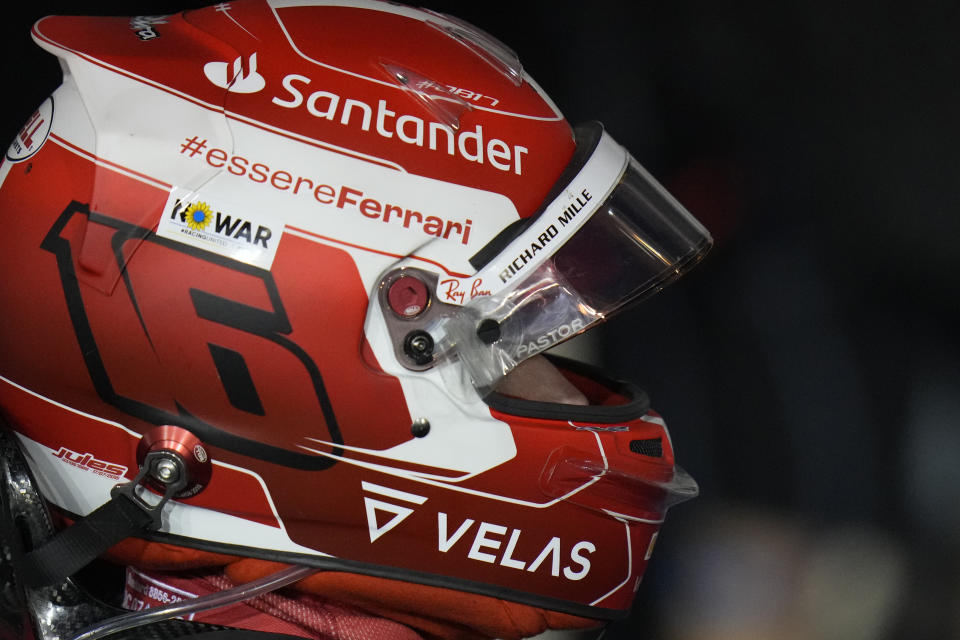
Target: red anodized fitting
{"points": [[170, 439]]}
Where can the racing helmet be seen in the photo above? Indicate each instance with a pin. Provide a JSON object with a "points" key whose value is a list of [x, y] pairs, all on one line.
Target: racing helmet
{"points": [[301, 263]]}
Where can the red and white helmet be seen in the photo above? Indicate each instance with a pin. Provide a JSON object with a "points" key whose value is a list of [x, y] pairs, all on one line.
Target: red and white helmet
{"points": [[315, 250]]}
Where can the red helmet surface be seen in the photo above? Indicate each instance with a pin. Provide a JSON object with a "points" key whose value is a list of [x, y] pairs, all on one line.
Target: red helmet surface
{"points": [[325, 238]]}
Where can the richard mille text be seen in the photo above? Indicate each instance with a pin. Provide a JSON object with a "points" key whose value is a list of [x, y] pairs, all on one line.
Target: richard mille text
{"points": [[547, 235]]}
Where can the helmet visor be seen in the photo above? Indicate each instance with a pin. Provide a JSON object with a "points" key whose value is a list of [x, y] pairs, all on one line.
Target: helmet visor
{"points": [[612, 236]]}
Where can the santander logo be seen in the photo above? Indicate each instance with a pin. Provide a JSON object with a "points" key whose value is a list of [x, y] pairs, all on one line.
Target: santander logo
{"points": [[234, 77], [474, 145]]}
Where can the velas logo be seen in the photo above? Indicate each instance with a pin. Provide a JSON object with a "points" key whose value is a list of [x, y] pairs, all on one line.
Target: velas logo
{"points": [[499, 544], [486, 542], [220, 228], [236, 77], [396, 513]]}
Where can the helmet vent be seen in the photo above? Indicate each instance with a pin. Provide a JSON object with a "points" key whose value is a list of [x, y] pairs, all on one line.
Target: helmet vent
{"points": [[437, 97], [652, 447], [492, 51]]}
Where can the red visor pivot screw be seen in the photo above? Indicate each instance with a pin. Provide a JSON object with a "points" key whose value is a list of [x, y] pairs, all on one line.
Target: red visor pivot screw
{"points": [[408, 296]]}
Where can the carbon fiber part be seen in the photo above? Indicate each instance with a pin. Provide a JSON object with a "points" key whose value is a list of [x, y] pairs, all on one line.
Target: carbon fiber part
{"points": [[57, 612]]}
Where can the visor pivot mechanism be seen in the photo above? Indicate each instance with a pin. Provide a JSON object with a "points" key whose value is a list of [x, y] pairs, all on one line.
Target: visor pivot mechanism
{"points": [[408, 296], [418, 345], [488, 331]]}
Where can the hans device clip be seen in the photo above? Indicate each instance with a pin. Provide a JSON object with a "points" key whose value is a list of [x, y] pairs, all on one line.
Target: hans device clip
{"points": [[172, 461]]}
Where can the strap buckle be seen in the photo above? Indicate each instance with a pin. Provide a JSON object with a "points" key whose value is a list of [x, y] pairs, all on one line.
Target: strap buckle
{"points": [[162, 468]]}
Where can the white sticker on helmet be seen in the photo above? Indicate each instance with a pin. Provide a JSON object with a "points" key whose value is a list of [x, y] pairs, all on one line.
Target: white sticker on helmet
{"points": [[33, 134], [214, 225]]}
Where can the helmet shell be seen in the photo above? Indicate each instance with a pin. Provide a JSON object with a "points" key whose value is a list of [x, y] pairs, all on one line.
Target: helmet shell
{"points": [[208, 204]]}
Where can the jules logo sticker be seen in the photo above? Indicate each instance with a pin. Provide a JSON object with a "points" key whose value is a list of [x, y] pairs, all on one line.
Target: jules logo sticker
{"points": [[33, 134], [88, 462], [223, 229], [236, 77]]}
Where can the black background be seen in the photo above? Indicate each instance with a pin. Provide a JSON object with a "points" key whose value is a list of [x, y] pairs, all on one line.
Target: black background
{"points": [[809, 368]]}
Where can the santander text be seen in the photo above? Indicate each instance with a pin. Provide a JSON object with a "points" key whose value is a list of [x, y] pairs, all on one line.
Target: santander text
{"points": [[469, 145]]}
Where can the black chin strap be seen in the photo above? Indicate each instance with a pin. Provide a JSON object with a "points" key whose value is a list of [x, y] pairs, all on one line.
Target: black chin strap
{"points": [[125, 515]]}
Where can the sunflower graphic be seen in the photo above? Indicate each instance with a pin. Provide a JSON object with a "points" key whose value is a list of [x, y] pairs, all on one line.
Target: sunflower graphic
{"points": [[199, 215]]}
